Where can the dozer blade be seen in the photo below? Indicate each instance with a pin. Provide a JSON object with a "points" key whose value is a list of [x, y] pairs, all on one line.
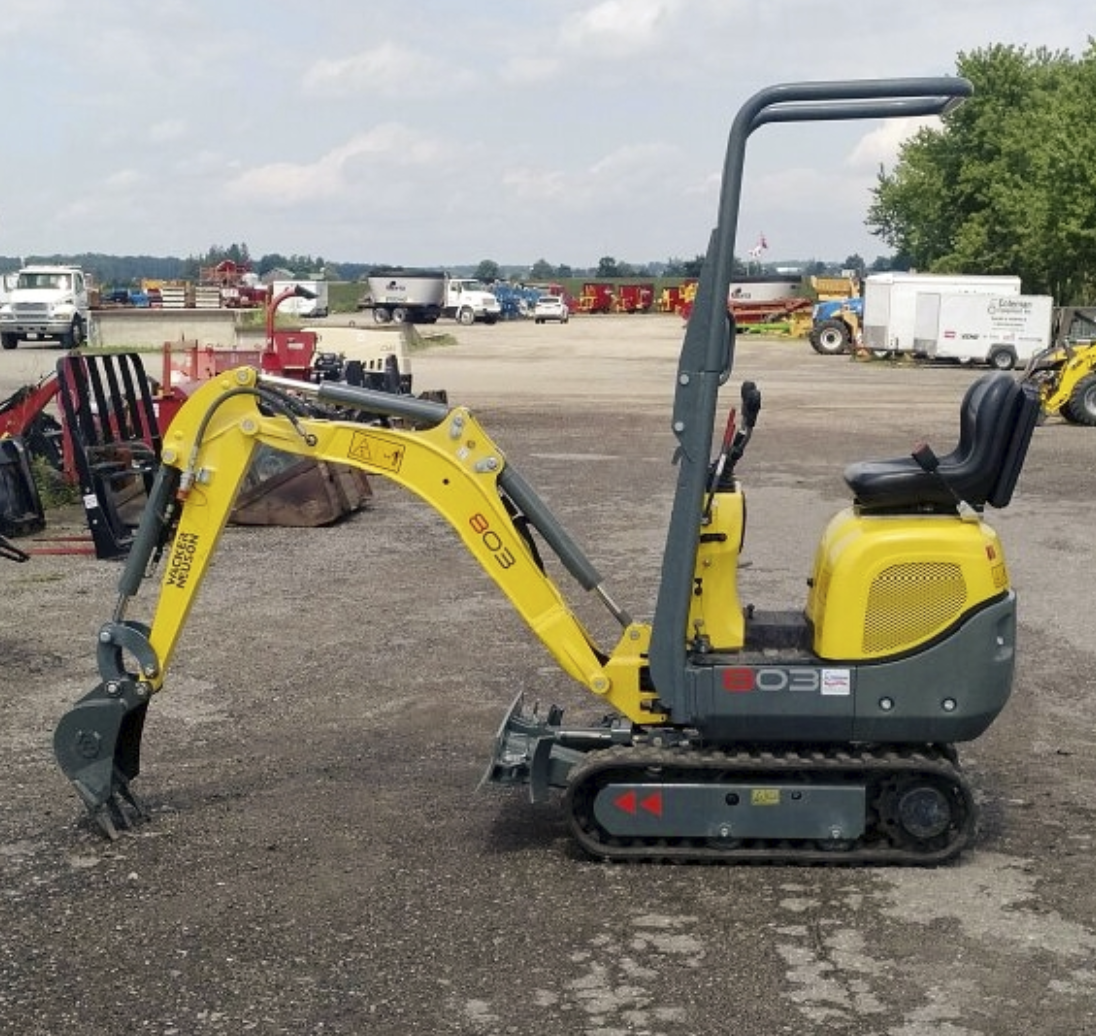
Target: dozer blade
{"points": [[97, 744]]}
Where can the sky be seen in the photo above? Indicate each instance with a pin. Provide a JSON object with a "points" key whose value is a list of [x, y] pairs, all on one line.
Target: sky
{"points": [[443, 133]]}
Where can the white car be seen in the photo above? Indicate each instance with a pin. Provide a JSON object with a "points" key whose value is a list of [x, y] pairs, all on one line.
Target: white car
{"points": [[551, 307]]}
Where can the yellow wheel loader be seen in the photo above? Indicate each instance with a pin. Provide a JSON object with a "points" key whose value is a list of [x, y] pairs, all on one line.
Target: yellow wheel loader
{"points": [[1065, 372], [823, 733]]}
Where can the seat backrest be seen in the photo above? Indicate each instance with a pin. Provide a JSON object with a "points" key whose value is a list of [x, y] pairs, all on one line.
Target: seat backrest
{"points": [[1027, 417], [988, 440]]}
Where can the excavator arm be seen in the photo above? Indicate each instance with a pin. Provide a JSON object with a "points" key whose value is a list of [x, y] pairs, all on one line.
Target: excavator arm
{"points": [[445, 457]]}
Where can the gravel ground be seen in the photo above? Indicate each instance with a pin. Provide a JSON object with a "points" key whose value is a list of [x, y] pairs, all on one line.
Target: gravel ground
{"points": [[319, 859]]}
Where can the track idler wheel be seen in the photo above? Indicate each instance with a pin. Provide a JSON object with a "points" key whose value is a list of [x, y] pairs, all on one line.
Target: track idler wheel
{"points": [[924, 813]]}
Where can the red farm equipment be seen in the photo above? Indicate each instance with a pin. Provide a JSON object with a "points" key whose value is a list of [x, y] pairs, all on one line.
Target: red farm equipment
{"points": [[596, 297], [634, 298], [773, 315]]}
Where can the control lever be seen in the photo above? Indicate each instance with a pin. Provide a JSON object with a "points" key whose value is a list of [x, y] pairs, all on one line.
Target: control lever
{"points": [[734, 443], [751, 407]]}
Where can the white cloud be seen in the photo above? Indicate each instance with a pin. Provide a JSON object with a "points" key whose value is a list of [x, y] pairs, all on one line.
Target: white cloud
{"points": [[523, 70], [387, 69], [526, 184], [880, 146], [167, 129], [620, 28], [340, 170], [124, 180]]}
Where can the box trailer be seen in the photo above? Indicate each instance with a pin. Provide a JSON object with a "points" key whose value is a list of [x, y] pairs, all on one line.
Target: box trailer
{"points": [[890, 303], [1001, 330]]}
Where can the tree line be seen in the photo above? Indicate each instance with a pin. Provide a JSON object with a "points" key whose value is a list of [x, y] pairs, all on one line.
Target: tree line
{"points": [[1007, 184], [129, 270]]}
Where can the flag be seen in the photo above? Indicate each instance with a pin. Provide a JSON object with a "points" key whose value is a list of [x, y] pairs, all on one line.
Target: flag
{"points": [[762, 244]]}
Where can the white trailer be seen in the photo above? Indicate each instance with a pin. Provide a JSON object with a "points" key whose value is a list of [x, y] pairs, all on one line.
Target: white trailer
{"points": [[397, 295], [890, 303], [1001, 330], [300, 306]]}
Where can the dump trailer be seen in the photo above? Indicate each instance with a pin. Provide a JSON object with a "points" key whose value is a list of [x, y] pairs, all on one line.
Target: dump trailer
{"points": [[820, 733], [398, 296]]}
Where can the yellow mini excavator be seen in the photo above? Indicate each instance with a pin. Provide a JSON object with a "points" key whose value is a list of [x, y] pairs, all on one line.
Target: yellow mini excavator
{"points": [[823, 733]]}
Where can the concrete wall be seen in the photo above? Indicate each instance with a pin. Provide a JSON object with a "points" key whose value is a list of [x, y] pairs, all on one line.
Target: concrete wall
{"points": [[138, 328]]}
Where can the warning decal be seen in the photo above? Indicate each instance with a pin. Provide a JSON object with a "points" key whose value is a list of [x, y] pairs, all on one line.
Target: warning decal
{"points": [[376, 451]]}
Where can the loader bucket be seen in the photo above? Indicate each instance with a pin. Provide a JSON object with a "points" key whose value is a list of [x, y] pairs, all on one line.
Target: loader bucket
{"points": [[98, 746]]}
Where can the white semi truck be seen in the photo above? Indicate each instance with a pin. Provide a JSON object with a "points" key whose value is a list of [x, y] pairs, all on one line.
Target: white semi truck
{"points": [[1002, 330], [890, 303], [422, 296], [46, 303], [468, 301]]}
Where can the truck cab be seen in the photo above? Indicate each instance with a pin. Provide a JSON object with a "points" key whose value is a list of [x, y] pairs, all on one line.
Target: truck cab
{"points": [[468, 300], [46, 303]]}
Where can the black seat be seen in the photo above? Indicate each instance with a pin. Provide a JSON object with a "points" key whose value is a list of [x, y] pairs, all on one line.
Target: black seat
{"points": [[996, 421], [111, 422]]}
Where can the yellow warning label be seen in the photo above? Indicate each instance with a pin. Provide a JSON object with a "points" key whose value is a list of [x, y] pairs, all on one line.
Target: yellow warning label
{"points": [[376, 451], [765, 797]]}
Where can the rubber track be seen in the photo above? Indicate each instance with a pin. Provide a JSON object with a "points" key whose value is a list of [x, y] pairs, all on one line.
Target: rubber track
{"points": [[882, 842]]}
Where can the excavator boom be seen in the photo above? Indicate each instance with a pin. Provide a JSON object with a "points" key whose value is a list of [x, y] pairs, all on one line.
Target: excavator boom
{"points": [[446, 458]]}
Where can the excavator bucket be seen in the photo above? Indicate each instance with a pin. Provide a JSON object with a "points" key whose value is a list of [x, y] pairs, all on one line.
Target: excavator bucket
{"points": [[98, 747], [298, 492]]}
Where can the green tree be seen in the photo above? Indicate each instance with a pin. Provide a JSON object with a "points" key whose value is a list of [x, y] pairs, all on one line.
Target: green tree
{"points": [[487, 271], [854, 262], [542, 270], [1007, 185], [607, 266]]}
